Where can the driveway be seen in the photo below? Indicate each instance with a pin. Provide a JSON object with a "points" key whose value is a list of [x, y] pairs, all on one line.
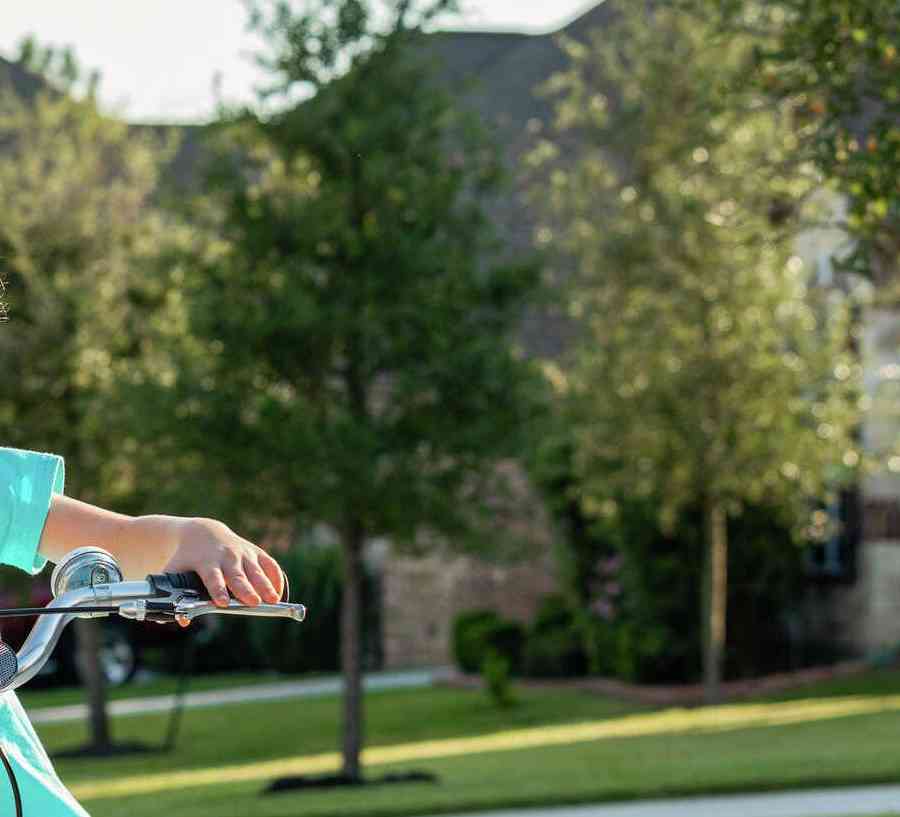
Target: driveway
{"points": [[864, 800]]}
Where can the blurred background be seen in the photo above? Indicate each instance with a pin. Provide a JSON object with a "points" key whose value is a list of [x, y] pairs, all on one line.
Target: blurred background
{"points": [[553, 351]]}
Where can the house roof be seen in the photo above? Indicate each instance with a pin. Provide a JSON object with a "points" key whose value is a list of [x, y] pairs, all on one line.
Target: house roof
{"points": [[507, 70], [25, 84]]}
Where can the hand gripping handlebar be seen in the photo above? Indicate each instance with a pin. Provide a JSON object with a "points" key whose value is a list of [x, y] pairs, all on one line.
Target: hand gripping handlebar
{"points": [[88, 582], [183, 597]]}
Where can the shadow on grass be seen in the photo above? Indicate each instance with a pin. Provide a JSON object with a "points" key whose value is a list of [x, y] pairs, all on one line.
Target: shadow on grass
{"points": [[334, 781]]}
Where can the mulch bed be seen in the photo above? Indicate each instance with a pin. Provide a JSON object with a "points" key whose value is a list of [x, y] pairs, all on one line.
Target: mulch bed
{"points": [[680, 695]]}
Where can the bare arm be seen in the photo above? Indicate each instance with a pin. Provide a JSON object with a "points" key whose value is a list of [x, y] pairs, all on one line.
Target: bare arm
{"points": [[151, 544]]}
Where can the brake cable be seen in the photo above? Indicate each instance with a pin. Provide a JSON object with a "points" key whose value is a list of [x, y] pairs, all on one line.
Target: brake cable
{"points": [[17, 796], [14, 612]]}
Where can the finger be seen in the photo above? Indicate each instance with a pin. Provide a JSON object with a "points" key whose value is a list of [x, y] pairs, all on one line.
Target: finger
{"points": [[259, 580], [240, 585], [215, 584], [273, 571]]}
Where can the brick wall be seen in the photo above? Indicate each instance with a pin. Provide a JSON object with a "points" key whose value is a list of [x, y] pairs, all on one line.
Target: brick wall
{"points": [[421, 597]]}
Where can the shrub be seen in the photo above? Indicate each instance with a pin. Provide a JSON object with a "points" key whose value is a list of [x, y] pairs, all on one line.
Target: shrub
{"points": [[554, 655], [506, 638], [468, 651], [495, 671], [554, 644], [478, 631], [657, 621], [638, 587], [554, 613]]}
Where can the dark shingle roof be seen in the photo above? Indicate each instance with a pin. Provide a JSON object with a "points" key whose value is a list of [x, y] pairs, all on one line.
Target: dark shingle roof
{"points": [[503, 94], [511, 68], [465, 53], [25, 84], [183, 172]]}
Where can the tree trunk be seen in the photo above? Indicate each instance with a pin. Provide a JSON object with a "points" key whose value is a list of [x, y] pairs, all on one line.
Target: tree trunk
{"points": [[351, 649], [715, 598], [88, 660]]}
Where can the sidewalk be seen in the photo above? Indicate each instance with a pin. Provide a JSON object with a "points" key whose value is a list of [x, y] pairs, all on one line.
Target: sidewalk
{"points": [[318, 688], [867, 800]]}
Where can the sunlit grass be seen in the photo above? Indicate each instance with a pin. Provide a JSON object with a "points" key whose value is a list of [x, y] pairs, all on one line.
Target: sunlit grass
{"points": [[821, 753], [667, 722], [555, 747], [273, 730]]}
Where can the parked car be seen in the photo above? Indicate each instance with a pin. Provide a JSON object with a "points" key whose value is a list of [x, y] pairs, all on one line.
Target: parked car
{"points": [[123, 640]]}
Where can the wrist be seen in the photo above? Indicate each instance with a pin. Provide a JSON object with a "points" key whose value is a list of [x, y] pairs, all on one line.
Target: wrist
{"points": [[152, 541]]}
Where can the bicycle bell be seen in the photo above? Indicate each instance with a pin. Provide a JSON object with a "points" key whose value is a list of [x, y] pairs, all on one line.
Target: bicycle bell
{"points": [[84, 567]]}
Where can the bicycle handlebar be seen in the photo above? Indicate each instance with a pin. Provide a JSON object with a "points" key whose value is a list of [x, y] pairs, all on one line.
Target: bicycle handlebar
{"points": [[81, 579], [167, 583]]}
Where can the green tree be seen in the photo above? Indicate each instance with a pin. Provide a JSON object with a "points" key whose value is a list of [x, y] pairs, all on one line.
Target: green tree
{"points": [[709, 372], [353, 316], [77, 231], [838, 60]]}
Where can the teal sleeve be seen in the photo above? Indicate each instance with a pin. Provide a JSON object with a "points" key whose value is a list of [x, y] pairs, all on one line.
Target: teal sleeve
{"points": [[28, 480], [43, 793]]}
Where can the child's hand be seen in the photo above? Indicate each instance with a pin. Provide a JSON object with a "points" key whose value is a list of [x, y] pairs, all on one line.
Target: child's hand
{"points": [[225, 562], [147, 544]]}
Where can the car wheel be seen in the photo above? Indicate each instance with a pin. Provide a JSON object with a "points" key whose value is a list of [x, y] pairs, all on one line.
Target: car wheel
{"points": [[119, 658]]}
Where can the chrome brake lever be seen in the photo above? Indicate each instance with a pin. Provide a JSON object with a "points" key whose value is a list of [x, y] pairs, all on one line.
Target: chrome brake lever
{"points": [[188, 610]]}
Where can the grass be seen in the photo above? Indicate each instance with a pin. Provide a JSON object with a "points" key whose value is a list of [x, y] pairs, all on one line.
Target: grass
{"points": [[756, 759], [873, 682], [164, 685], [840, 750], [256, 731]]}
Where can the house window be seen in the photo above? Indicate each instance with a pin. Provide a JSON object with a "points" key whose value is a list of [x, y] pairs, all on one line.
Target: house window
{"points": [[835, 558]]}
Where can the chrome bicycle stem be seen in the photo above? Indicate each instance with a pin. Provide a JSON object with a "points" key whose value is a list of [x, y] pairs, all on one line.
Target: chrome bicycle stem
{"points": [[46, 632]]}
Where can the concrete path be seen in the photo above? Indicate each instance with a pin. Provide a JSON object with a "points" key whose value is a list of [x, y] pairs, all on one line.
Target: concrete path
{"points": [[867, 800], [317, 688]]}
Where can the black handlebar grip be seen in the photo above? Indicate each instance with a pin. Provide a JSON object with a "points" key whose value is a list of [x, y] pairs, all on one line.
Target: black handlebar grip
{"points": [[165, 583], [189, 580]]}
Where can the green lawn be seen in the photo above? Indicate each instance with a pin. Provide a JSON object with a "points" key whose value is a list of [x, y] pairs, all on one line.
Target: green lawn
{"points": [[847, 750], [756, 760], [256, 731], [164, 685], [874, 682]]}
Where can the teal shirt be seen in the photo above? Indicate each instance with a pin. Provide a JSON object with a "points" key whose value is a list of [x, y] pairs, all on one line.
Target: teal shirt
{"points": [[28, 480]]}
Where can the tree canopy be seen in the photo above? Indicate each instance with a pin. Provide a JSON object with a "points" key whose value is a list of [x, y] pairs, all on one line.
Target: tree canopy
{"points": [[838, 61], [711, 369], [349, 355]]}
